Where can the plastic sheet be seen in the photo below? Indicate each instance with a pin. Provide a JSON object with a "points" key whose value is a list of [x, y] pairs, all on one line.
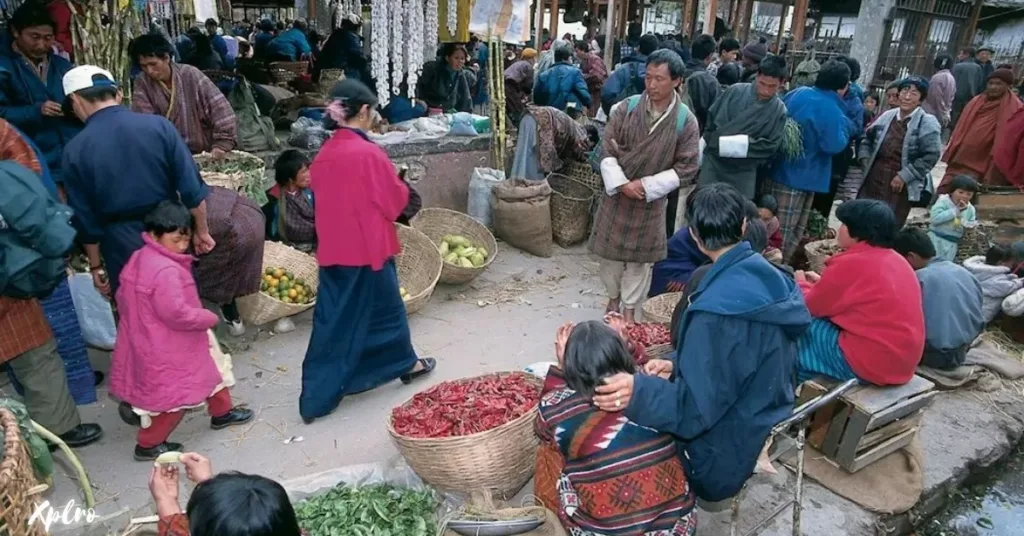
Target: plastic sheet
{"points": [[308, 134]]}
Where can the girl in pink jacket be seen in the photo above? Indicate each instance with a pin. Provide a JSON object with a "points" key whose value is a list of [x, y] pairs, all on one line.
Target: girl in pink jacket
{"points": [[162, 362]]}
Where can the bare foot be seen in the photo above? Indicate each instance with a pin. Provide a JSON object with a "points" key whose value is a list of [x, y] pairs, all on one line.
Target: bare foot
{"points": [[613, 306], [630, 316]]}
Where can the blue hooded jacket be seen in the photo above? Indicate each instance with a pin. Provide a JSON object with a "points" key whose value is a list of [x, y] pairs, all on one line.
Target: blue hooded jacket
{"points": [[561, 84], [22, 94], [826, 131], [292, 44], [683, 258], [734, 371]]}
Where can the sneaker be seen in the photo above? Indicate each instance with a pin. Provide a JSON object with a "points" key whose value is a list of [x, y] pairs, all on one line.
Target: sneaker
{"points": [[236, 328], [237, 415], [284, 325], [150, 454]]}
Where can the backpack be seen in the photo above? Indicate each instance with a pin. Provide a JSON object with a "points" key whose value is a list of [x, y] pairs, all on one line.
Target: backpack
{"points": [[635, 85], [35, 235], [595, 156], [806, 72]]}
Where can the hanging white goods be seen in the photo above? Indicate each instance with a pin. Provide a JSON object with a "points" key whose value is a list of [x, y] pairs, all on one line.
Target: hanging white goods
{"points": [[397, 12], [414, 53], [453, 16], [379, 49], [430, 25]]}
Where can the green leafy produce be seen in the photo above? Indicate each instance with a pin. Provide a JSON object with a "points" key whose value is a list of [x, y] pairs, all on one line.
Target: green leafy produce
{"points": [[792, 140], [375, 510], [817, 226]]}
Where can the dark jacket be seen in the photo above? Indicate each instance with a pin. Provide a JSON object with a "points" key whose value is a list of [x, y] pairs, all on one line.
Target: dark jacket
{"points": [[561, 84], [22, 94], [440, 87], [970, 80], [734, 371], [632, 71], [703, 89], [683, 258]]}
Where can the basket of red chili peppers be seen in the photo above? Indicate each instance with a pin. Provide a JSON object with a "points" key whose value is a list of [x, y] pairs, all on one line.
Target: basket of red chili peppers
{"points": [[471, 434]]}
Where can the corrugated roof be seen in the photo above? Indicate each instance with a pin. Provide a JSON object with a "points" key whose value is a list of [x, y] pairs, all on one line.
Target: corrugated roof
{"points": [[1004, 3]]}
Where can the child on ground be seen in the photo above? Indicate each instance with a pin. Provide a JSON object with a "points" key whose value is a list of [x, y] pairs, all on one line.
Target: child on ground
{"points": [[605, 451], [292, 221], [768, 207], [994, 271], [951, 214], [228, 504], [162, 362]]}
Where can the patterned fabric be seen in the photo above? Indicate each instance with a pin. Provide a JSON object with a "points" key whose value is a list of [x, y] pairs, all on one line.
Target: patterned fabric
{"points": [[559, 138], [296, 212], [14, 147], [175, 525], [631, 230], [60, 314], [235, 266], [198, 109], [22, 327], [888, 163], [820, 354], [619, 478], [794, 208]]}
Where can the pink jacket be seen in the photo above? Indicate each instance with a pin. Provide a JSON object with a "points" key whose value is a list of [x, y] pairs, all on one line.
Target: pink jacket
{"points": [[162, 355]]}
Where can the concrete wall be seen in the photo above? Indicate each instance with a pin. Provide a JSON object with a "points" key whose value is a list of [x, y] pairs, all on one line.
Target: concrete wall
{"points": [[867, 40]]}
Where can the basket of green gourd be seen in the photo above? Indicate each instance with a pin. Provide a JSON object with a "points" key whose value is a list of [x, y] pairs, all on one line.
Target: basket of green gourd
{"points": [[465, 245]]}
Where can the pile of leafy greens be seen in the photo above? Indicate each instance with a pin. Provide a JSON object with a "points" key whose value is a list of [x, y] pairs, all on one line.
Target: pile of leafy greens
{"points": [[373, 510]]}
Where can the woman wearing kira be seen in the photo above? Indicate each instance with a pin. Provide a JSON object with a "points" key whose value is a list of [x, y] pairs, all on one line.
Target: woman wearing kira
{"points": [[360, 336]]}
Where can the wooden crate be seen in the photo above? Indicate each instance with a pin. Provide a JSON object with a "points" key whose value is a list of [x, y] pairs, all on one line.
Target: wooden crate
{"points": [[867, 423]]}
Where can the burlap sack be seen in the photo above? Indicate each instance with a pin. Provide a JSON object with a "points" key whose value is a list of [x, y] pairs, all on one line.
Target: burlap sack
{"points": [[521, 212]]}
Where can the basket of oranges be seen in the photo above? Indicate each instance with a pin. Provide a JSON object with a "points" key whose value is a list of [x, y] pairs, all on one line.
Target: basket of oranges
{"points": [[290, 279]]}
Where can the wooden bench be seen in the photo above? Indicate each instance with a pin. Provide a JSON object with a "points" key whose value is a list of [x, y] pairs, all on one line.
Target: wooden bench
{"points": [[867, 422]]}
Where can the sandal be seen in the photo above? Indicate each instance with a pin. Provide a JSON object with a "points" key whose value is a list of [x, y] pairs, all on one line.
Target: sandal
{"points": [[429, 363]]}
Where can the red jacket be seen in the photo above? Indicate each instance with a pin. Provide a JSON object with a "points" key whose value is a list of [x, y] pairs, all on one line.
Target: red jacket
{"points": [[358, 198], [874, 297]]}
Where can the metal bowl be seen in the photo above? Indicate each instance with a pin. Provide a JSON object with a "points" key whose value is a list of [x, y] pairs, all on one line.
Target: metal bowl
{"points": [[507, 527]]}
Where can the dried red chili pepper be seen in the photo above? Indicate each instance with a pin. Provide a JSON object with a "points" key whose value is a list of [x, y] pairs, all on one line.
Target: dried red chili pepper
{"points": [[464, 407], [648, 334]]}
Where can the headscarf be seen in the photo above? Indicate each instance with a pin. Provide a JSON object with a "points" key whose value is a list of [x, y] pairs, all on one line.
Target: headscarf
{"points": [[529, 53]]}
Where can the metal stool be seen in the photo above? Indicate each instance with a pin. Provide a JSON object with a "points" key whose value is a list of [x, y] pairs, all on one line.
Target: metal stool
{"points": [[800, 418]]}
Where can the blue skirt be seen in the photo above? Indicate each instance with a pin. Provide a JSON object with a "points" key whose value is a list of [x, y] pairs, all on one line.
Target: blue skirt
{"points": [[60, 315], [360, 337], [820, 354]]}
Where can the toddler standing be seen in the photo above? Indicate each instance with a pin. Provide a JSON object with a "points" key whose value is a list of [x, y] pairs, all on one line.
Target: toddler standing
{"points": [[162, 362], [950, 215]]}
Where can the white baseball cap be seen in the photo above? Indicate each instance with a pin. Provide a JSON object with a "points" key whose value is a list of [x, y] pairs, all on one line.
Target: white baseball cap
{"points": [[87, 76]]}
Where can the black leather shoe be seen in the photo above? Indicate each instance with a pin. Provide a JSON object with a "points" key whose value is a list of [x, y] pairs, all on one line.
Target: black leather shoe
{"points": [[124, 410], [150, 454], [81, 435], [234, 417]]}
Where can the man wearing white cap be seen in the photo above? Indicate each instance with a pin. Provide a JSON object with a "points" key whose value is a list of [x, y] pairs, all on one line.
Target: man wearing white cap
{"points": [[118, 168]]}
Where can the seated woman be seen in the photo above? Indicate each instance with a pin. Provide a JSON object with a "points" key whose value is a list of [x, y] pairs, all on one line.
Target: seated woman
{"points": [[293, 221], [549, 139], [228, 504], [868, 318], [606, 451], [445, 82]]}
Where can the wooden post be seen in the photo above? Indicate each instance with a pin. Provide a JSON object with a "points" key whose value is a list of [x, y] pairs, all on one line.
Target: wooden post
{"points": [[799, 22], [688, 6], [538, 23], [782, 27], [554, 19], [922, 39], [609, 35], [746, 19], [710, 16], [967, 37], [623, 18]]}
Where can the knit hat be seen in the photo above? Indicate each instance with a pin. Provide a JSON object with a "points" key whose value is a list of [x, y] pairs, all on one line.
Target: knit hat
{"points": [[1005, 75], [755, 52], [915, 81], [529, 53]]}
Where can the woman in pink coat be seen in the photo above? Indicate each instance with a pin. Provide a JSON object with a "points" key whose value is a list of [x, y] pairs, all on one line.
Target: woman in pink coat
{"points": [[162, 361]]}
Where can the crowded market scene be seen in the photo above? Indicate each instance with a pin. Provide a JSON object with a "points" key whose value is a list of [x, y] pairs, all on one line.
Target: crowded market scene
{"points": [[396, 254]]}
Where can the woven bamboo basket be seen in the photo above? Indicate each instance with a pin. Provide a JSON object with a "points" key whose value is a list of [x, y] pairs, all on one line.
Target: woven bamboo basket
{"points": [[582, 172], [16, 480], [419, 267], [499, 460], [283, 72], [249, 182], [658, 351], [975, 241], [328, 78], [820, 251], [260, 308], [659, 308], [436, 223], [570, 209]]}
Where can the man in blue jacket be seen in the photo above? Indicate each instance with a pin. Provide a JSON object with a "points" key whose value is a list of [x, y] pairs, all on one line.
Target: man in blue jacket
{"points": [[731, 378], [628, 78], [291, 45], [31, 92], [562, 84], [826, 130]]}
